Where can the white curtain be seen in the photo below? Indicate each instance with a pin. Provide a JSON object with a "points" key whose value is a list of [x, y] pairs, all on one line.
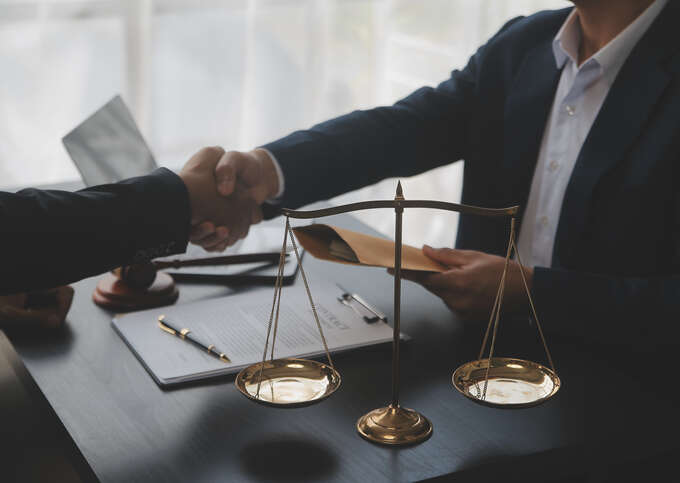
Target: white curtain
{"points": [[231, 72]]}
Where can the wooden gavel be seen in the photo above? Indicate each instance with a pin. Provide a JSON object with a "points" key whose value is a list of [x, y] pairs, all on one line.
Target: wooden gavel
{"points": [[143, 285], [142, 275]]}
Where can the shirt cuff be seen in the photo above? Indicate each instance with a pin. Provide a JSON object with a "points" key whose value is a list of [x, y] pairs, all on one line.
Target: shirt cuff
{"points": [[279, 175]]}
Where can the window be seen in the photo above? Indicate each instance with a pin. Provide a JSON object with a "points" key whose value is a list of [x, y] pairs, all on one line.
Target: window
{"points": [[233, 72]]}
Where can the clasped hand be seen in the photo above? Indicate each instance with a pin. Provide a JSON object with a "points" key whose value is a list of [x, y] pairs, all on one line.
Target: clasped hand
{"points": [[226, 190]]}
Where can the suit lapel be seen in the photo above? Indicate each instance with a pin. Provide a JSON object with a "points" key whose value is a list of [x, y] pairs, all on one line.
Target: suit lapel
{"points": [[622, 118], [526, 112]]}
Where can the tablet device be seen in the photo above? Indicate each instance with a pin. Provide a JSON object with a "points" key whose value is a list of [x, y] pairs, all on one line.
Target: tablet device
{"points": [[108, 147]]}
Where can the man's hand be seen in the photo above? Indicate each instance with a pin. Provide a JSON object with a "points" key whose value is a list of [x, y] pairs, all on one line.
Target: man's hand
{"points": [[251, 172], [36, 310], [217, 221], [470, 284]]}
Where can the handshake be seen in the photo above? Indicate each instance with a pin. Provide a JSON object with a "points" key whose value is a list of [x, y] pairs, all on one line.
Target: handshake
{"points": [[226, 190]]}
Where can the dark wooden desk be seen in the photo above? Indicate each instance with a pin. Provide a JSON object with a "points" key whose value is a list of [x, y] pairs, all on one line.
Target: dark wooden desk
{"points": [[129, 429], [34, 445]]}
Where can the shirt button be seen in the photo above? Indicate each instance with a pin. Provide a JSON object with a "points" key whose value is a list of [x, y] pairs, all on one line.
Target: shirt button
{"points": [[570, 109], [543, 221], [553, 165]]}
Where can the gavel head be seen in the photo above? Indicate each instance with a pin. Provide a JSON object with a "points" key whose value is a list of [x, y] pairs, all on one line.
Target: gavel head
{"points": [[139, 276]]}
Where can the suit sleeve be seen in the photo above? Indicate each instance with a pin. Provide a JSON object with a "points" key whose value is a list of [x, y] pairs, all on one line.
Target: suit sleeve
{"points": [[50, 238], [602, 308], [418, 133]]}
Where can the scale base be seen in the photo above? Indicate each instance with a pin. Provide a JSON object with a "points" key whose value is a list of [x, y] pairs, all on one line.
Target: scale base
{"points": [[394, 426]]}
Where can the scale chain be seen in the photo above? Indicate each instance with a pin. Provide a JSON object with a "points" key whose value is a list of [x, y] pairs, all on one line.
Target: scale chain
{"points": [[491, 319], [496, 316], [495, 312], [277, 294], [533, 307], [309, 293], [279, 280], [495, 326]]}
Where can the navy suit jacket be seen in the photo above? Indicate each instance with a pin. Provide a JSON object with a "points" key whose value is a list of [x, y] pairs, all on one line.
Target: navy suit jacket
{"points": [[49, 237], [616, 264]]}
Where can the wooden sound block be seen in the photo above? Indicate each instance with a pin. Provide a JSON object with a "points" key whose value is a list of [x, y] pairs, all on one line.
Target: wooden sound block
{"points": [[114, 294]]}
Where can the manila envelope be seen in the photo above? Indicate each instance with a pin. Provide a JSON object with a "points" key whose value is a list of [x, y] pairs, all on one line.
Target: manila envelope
{"points": [[369, 250]]}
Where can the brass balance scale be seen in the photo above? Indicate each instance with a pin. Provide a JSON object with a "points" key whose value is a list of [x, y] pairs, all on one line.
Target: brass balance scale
{"points": [[491, 381]]}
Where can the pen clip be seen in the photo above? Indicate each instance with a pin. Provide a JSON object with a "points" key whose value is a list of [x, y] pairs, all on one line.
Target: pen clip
{"points": [[352, 300], [165, 327]]}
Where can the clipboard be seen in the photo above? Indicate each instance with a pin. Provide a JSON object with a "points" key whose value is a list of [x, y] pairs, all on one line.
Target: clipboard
{"points": [[236, 325]]}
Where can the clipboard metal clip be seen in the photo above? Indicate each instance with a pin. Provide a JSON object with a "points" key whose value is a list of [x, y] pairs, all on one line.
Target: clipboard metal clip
{"points": [[362, 308]]}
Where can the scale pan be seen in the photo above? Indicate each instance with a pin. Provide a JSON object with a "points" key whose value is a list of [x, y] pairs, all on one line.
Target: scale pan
{"points": [[513, 383], [288, 383]]}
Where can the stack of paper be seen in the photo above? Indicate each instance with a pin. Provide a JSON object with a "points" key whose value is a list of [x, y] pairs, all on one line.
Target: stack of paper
{"points": [[237, 325]]}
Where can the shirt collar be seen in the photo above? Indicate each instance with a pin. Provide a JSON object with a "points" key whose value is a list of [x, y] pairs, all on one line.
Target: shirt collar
{"points": [[612, 56], [566, 42]]}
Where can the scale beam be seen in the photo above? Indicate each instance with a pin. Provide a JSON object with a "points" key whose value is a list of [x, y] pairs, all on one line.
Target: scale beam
{"points": [[394, 204]]}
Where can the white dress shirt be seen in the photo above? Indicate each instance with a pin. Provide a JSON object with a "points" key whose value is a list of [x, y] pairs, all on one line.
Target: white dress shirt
{"points": [[580, 94]]}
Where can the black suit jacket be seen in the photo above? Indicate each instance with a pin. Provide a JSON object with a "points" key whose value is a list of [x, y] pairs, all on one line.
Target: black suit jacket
{"points": [[49, 238], [616, 263]]}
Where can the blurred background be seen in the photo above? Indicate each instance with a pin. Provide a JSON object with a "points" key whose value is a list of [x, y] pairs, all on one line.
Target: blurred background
{"points": [[235, 73]]}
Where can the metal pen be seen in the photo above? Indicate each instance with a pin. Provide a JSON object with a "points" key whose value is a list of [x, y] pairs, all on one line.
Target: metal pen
{"points": [[186, 334]]}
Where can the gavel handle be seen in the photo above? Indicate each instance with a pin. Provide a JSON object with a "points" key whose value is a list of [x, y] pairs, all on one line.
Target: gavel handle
{"points": [[271, 257]]}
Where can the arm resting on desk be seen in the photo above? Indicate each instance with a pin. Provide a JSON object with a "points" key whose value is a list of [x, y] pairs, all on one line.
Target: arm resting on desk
{"points": [[50, 238]]}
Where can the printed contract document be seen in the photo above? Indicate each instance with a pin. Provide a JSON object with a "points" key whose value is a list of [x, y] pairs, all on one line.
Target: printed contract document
{"points": [[237, 325]]}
